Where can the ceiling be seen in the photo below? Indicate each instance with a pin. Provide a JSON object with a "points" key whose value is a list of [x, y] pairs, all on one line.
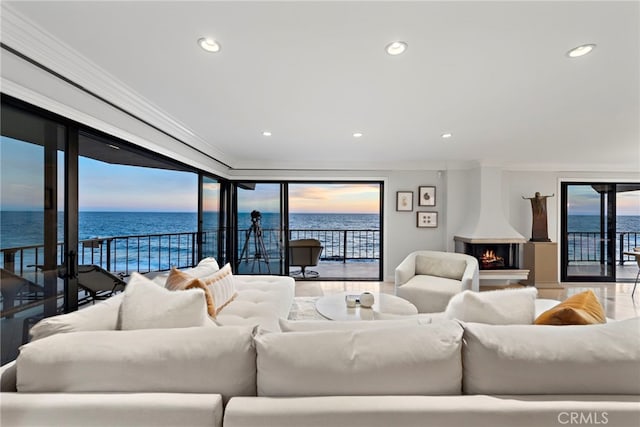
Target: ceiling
{"points": [[494, 74]]}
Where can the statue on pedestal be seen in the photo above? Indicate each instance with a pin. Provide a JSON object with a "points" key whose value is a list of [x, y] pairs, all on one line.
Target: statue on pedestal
{"points": [[539, 231]]}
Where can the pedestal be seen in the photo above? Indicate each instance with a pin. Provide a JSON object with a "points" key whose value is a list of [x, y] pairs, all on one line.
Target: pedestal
{"points": [[541, 258]]}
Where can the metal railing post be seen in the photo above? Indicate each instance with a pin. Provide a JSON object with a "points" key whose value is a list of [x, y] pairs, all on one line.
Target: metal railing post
{"points": [[344, 246], [10, 260], [108, 255], [622, 248]]}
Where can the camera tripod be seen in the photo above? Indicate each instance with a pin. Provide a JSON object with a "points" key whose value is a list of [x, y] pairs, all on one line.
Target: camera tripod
{"points": [[260, 252]]}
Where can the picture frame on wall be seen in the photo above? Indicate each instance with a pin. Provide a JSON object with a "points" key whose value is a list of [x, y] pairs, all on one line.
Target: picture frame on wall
{"points": [[404, 201], [427, 196], [427, 219]]}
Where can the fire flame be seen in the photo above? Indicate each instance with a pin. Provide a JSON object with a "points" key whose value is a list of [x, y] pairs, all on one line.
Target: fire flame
{"points": [[489, 257]]}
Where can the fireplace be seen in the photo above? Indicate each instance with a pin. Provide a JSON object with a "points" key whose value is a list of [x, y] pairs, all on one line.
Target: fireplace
{"points": [[494, 256]]}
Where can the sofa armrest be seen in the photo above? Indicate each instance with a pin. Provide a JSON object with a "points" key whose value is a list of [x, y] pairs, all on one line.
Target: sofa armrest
{"points": [[406, 270], [471, 277], [8, 377]]}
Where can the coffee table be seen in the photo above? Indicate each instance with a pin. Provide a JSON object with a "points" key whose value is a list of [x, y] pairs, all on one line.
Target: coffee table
{"points": [[334, 307]]}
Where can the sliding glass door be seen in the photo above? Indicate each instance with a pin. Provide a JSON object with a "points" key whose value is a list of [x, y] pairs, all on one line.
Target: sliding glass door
{"points": [[32, 217], [260, 225], [600, 222]]}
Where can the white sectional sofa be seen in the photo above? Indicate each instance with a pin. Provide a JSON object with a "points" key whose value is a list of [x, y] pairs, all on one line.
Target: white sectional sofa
{"points": [[79, 371], [443, 374]]}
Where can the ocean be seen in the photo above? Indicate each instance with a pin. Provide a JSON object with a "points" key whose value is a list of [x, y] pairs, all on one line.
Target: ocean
{"points": [[19, 229], [25, 229]]}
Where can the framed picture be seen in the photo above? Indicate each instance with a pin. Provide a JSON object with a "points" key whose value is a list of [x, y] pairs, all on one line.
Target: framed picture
{"points": [[427, 219], [426, 196], [404, 201]]}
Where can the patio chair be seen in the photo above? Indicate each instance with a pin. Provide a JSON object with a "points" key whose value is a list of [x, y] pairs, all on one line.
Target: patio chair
{"points": [[96, 281], [305, 253]]}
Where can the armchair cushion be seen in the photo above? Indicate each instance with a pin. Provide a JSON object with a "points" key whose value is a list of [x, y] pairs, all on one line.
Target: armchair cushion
{"points": [[447, 268]]}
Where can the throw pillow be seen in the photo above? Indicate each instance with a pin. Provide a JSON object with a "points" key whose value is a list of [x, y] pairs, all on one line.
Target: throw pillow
{"points": [[179, 281], [146, 305], [447, 268], [222, 287], [580, 309], [502, 307]]}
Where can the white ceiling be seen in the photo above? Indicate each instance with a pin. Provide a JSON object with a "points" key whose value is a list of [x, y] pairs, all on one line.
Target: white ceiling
{"points": [[494, 74]]}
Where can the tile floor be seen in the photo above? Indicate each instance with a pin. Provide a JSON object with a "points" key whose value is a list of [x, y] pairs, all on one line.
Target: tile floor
{"points": [[615, 297]]}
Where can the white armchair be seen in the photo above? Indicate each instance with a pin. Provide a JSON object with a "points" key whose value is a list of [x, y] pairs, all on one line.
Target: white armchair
{"points": [[429, 279]]}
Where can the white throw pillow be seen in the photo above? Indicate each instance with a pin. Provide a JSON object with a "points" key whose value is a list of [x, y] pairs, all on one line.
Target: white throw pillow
{"points": [[101, 316], [145, 305], [502, 307], [206, 267]]}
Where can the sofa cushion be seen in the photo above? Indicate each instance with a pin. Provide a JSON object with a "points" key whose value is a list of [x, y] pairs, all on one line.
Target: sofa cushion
{"points": [[261, 301], [405, 360], [580, 309], [146, 305], [501, 307], [447, 268], [433, 411], [112, 409], [532, 359], [186, 360]]}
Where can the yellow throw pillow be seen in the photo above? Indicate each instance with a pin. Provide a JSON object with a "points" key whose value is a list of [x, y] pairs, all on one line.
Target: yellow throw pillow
{"points": [[179, 280], [580, 309]]}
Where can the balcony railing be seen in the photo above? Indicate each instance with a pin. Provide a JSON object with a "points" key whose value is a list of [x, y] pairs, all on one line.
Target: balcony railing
{"points": [[585, 246], [159, 252]]}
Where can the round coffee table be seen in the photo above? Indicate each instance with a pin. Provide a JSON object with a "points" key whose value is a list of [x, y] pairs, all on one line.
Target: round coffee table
{"points": [[334, 307]]}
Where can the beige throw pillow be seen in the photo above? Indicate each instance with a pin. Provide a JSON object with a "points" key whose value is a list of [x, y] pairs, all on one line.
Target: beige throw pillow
{"points": [[219, 287], [222, 287], [180, 281]]}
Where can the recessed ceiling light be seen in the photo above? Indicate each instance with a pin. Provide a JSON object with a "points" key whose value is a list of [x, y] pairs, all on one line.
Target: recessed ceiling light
{"points": [[580, 50], [357, 135], [115, 147], [209, 44], [446, 135], [266, 133], [396, 48]]}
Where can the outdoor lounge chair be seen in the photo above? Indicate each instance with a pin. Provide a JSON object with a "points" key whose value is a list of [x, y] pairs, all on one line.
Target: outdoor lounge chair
{"points": [[96, 281], [305, 253]]}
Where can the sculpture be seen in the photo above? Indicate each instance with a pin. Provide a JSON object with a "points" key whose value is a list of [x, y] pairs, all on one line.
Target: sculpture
{"points": [[539, 231]]}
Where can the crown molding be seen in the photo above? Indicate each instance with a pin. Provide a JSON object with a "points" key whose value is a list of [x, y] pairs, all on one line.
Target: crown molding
{"points": [[25, 37]]}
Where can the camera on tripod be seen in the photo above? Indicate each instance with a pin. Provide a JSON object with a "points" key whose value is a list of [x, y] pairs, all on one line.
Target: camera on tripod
{"points": [[255, 216]]}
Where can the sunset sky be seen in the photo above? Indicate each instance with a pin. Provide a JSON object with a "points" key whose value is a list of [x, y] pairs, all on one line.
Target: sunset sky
{"points": [[107, 187]]}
